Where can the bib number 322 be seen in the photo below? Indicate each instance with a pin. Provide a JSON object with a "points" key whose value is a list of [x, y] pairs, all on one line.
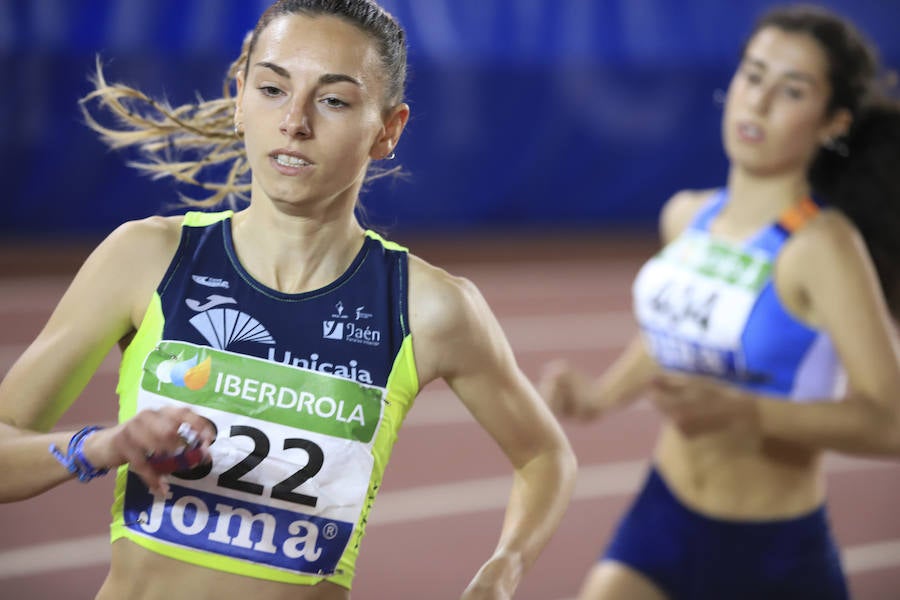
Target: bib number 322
{"points": [[233, 478]]}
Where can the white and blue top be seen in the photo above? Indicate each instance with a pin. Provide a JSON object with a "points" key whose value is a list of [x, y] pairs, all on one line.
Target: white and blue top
{"points": [[709, 306]]}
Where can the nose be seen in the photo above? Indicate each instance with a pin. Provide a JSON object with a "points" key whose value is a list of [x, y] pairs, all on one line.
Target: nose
{"points": [[296, 121], [759, 98]]}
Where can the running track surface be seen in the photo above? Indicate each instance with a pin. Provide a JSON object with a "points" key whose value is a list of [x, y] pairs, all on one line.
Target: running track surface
{"points": [[439, 512]]}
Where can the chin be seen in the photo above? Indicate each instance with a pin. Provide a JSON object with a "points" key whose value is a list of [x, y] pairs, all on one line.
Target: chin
{"points": [[752, 159], [282, 192], [761, 167]]}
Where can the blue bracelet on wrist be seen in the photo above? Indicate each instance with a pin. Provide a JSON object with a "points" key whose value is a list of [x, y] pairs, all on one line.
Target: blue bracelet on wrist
{"points": [[74, 459]]}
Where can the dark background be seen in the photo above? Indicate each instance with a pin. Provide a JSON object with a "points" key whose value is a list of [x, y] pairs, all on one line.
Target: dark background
{"points": [[527, 114]]}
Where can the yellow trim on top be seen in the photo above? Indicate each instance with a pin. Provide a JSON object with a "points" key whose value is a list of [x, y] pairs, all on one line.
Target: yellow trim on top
{"points": [[202, 219], [386, 243]]}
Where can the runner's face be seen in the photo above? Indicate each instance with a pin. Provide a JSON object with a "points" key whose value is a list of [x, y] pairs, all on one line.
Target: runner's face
{"points": [[311, 107], [775, 112]]}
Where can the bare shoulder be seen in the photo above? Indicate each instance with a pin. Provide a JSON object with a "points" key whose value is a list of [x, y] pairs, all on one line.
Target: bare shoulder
{"points": [[834, 225], [679, 210], [448, 316], [827, 239], [141, 245], [438, 299], [132, 260], [149, 236], [825, 269], [822, 261]]}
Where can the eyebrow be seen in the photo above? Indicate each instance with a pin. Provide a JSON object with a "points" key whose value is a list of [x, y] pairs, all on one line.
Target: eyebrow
{"points": [[323, 80], [795, 75]]}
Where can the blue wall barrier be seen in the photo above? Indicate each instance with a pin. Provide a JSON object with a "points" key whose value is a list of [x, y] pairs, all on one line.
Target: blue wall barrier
{"points": [[526, 113]]}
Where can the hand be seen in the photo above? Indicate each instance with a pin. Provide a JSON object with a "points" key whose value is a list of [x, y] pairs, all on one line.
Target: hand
{"points": [[496, 579], [698, 404], [567, 391], [150, 433]]}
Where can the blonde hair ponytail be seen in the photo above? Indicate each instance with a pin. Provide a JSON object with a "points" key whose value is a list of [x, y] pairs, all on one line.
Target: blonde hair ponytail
{"points": [[184, 143]]}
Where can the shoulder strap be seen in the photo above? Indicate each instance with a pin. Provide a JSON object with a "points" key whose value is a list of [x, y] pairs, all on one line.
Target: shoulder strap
{"points": [[798, 215], [709, 210], [388, 245], [202, 219]]}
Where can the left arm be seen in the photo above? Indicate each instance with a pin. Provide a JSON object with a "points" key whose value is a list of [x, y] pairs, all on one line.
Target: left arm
{"points": [[456, 337], [825, 278], [830, 269]]}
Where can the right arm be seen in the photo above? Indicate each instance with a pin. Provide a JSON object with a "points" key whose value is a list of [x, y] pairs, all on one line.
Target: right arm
{"points": [[104, 303], [572, 393], [457, 338]]}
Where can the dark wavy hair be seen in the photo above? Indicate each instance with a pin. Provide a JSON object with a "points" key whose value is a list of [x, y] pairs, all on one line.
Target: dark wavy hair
{"points": [[860, 173]]}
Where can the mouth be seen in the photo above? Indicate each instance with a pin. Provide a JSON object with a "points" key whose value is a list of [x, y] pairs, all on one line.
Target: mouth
{"points": [[290, 163], [750, 132], [290, 160]]}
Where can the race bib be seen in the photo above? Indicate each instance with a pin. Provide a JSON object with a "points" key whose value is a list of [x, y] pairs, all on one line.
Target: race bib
{"points": [[693, 301], [291, 461]]}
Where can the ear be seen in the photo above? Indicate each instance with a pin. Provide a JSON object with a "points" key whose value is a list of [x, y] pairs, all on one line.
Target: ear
{"points": [[837, 126], [387, 139]]}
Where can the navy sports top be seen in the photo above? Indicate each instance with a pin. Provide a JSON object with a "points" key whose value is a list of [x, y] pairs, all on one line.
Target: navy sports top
{"points": [[306, 392]]}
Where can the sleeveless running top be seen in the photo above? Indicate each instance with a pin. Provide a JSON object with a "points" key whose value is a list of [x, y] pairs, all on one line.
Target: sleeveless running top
{"points": [[709, 306], [306, 391]]}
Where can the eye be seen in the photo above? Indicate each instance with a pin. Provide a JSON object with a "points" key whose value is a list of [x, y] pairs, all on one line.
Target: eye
{"points": [[753, 76], [332, 102], [270, 90], [794, 93]]}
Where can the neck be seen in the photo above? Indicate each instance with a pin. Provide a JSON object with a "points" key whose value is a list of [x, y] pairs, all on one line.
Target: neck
{"points": [[755, 200], [295, 253]]}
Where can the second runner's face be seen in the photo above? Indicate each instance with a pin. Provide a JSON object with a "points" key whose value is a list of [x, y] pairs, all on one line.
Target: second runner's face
{"points": [[311, 105], [775, 111]]}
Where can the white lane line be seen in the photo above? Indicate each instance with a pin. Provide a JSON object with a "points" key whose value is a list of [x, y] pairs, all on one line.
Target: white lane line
{"points": [[442, 407], [594, 481], [76, 553], [474, 495], [444, 500], [871, 557]]}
